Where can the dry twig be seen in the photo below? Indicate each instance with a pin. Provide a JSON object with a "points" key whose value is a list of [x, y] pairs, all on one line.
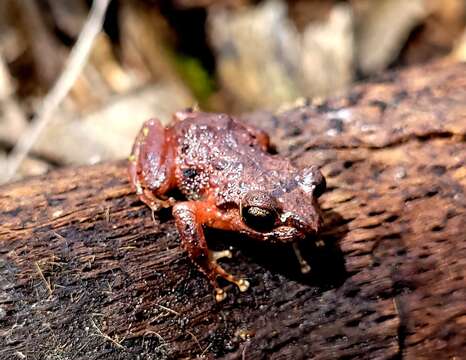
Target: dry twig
{"points": [[195, 339], [168, 309], [47, 283], [105, 336], [76, 61], [205, 350]]}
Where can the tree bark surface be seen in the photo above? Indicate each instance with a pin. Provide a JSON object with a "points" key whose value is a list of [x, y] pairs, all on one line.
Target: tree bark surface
{"points": [[86, 272]]}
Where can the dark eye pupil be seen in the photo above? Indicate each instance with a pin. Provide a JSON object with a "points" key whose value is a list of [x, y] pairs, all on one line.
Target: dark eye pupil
{"points": [[258, 218]]}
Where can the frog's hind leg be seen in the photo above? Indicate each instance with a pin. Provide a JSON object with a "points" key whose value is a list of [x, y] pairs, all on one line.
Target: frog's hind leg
{"points": [[189, 226], [150, 165]]}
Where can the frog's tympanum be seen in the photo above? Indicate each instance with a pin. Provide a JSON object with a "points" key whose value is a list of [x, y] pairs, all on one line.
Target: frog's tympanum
{"points": [[229, 181]]}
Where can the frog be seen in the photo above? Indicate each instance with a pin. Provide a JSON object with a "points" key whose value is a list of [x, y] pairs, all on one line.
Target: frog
{"points": [[215, 171]]}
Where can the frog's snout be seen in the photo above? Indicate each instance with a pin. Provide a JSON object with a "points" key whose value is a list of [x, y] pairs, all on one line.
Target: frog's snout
{"points": [[303, 226]]}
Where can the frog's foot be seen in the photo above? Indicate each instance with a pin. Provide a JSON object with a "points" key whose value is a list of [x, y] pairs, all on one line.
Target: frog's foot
{"points": [[221, 293], [305, 267], [242, 284], [320, 243], [156, 204]]}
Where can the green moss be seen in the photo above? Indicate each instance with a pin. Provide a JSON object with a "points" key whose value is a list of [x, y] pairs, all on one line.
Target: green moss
{"points": [[196, 77]]}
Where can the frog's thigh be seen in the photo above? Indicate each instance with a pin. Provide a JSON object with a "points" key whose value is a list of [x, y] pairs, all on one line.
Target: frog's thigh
{"points": [[149, 168]]}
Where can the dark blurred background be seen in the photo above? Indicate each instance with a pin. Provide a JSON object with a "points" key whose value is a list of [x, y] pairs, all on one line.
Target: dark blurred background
{"points": [[156, 57]]}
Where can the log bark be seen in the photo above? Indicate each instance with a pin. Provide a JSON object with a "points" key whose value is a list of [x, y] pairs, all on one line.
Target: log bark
{"points": [[87, 273]]}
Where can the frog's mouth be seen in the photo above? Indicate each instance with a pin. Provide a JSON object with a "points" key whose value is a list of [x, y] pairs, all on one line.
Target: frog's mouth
{"points": [[289, 229], [283, 234], [288, 233], [279, 234], [298, 228]]}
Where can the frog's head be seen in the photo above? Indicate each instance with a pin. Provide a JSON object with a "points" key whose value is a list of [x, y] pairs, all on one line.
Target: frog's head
{"points": [[287, 213]]}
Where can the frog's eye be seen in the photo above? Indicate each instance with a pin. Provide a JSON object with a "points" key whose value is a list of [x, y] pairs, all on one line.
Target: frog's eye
{"points": [[258, 218], [259, 210], [312, 181]]}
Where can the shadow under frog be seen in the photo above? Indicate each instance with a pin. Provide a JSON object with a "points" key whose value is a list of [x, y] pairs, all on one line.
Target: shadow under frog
{"points": [[324, 256]]}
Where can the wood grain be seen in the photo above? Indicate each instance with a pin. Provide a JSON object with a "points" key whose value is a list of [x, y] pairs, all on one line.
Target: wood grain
{"points": [[85, 273]]}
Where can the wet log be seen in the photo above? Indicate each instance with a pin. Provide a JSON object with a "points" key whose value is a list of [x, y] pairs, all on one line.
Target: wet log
{"points": [[87, 273]]}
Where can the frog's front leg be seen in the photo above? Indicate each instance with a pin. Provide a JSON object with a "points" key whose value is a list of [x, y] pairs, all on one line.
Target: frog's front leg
{"points": [[189, 223]]}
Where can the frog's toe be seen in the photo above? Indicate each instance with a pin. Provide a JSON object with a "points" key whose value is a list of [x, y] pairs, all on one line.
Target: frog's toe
{"points": [[220, 294], [243, 285], [305, 268]]}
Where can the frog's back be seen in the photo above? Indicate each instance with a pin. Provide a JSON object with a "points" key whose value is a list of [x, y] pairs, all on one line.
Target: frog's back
{"points": [[213, 151]]}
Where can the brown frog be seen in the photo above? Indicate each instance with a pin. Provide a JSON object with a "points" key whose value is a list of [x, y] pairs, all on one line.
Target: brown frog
{"points": [[229, 180]]}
